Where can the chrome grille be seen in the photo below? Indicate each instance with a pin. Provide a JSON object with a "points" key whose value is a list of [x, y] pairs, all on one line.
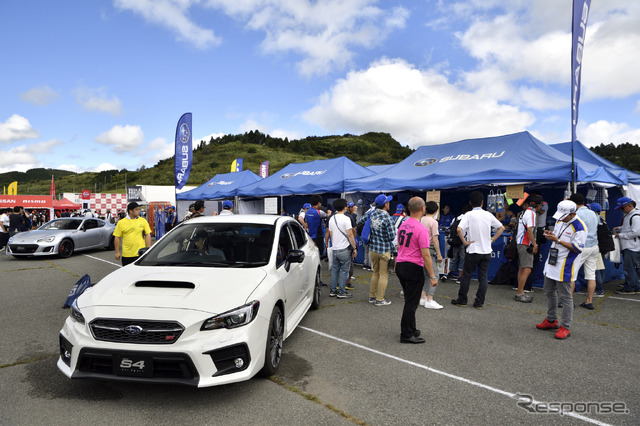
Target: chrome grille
{"points": [[136, 331]]}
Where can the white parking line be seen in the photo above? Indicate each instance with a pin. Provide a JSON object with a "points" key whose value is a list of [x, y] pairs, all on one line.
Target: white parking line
{"points": [[443, 373], [622, 298], [102, 260]]}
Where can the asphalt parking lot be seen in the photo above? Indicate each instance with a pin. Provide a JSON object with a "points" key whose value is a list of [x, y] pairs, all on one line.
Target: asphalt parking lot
{"points": [[343, 365]]}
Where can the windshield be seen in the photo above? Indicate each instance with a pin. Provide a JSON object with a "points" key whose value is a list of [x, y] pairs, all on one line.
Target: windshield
{"points": [[237, 245], [62, 224]]}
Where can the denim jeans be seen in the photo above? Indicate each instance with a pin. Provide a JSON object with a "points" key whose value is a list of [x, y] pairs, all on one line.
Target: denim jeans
{"points": [[471, 261], [340, 269], [457, 262], [631, 260]]}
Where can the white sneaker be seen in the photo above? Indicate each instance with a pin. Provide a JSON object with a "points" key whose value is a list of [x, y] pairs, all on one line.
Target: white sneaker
{"points": [[432, 305], [423, 301]]}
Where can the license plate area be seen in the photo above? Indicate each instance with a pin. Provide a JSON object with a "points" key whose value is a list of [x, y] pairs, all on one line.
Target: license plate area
{"points": [[133, 365]]}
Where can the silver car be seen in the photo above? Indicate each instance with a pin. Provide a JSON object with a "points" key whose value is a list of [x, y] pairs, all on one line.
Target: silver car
{"points": [[62, 237]]}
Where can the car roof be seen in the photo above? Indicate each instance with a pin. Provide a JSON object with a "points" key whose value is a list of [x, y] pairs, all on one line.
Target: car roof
{"points": [[263, 219]]}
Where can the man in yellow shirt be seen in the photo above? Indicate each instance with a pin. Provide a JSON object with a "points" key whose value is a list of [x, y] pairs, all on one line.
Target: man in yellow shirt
{"points": [[134, 232]]}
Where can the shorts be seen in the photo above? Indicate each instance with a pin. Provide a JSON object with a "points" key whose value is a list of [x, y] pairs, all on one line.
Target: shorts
{"points": [[524, 257], [589, 260]]}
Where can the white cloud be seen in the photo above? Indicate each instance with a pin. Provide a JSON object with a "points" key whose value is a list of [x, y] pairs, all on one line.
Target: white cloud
{"points": [[122, 138], [323, 32], [418, 107], [250, 125], [70, 167], [45, 147], [98, 100], [172, 14], [207, 138], [606, 132], [531, 42], [43, 95], [16, 128], [102, 167], [19, 159]]}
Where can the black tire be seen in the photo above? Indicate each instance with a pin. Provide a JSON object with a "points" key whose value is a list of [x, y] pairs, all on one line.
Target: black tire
{"points": [[112, 244], [65, 249], [273, 352], [315, 303]]}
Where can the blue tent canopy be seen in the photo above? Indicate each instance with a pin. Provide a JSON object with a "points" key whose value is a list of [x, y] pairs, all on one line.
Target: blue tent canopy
{"points": [[380, 168], [515, 158], [221, 186], [314, 177], [582, 153]]}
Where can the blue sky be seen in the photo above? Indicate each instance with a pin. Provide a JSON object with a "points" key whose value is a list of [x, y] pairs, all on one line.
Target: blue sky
{"points": [[95, 85]]}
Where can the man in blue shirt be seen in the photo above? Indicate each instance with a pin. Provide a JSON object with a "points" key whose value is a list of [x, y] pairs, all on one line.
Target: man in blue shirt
{"points": [[315, 224]]}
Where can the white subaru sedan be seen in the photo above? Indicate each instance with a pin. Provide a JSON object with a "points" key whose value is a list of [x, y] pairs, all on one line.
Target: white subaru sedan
{"points": [[210, 303]]}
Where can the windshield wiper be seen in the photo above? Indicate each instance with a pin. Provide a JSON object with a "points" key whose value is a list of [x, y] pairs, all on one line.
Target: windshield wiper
{"points": [[247, 264], [197, 263]]}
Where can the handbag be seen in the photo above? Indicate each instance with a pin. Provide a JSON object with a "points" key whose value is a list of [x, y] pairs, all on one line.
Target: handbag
{"points": [[616, 254]]}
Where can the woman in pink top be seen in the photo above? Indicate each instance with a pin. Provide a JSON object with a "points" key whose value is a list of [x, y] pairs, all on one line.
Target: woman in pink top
{"points": [[413, 258]]}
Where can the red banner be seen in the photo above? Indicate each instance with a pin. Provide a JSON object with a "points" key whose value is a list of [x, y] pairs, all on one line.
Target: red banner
{"points": [[26, 201], [86, 194], [53, 187]]}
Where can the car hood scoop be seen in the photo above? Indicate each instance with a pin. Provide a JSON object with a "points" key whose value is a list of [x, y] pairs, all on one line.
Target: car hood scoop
{"points": [[165, 284], [207, 289]]}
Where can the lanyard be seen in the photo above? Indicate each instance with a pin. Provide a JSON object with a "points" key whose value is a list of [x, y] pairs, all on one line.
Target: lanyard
{"points": [[555, 243]]}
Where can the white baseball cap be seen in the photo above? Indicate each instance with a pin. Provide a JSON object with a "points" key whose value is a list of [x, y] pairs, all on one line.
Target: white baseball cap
{"points": [[565, 208]]}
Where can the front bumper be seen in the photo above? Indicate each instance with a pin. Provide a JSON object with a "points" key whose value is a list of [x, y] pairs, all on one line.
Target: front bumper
{"points": [[47, 249], [197, 358]]}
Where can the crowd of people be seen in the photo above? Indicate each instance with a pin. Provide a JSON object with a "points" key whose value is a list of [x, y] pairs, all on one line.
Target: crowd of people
{"points": [[407, 242]]}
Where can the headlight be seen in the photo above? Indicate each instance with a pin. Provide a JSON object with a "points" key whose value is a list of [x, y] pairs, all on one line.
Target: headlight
{"points": [[75, 313], [235, 318], [48, 239]]}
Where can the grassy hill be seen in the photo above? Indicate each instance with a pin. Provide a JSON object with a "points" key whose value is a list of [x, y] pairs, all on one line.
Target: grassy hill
{"points": [[215, 156]]}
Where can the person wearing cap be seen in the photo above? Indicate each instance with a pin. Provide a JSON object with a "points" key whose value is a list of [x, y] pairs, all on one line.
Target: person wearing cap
{"points": [[227, 208], [561, 268], [527, 245], [629, 236], [130, 231], [474, 231], [380, 244], [302, 214], [590, 258]]}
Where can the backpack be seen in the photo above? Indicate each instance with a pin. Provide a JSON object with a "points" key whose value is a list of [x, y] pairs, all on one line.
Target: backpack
{"points": [[605, 239], [454, 239], [366, 231], [511, 249]]}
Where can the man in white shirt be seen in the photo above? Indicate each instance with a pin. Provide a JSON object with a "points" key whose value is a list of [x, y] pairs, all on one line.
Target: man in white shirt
{"points": [[527, 245], [4, 227], [475, 232], [341, 235], [227, 208]]}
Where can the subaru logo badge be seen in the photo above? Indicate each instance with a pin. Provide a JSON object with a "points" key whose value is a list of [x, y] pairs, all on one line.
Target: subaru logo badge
{"points": [[133, 330], [425, 162]]}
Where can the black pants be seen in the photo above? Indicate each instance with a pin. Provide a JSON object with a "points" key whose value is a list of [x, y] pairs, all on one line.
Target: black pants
{"points": [[471, 262], [128, 260], [320, 244], [4, 237], [412, 279]]}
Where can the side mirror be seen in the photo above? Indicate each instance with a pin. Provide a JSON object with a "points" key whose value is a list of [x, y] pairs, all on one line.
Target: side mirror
{"points": [[142, 251], [295, 256]]}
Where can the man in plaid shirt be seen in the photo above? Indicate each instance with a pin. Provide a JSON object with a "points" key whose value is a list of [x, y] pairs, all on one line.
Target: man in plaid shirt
{"points": [[380, 245]]}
